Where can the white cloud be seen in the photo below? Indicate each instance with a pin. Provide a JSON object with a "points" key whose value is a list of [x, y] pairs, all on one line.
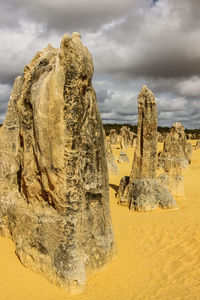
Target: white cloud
{"points": [[190, 87]]}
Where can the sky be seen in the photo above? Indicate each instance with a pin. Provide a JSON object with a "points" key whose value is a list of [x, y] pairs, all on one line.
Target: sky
{"points": [[133, 42]]}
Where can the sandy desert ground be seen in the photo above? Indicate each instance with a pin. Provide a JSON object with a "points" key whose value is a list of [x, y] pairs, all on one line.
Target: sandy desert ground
{"points": [[158, 253]]}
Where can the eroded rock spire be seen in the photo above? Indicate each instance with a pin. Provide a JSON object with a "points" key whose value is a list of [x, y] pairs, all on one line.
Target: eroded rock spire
{"points": [[54, 198], [142, 191], [145, 156]]}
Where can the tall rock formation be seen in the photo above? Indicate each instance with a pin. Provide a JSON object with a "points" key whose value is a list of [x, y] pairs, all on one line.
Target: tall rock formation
{"points": [[145, 156], [142, 191], [54, 198], [124, 137]]}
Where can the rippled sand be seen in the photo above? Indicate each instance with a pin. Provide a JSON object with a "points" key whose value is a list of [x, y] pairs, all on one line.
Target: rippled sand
{"points": [[158, 253]]}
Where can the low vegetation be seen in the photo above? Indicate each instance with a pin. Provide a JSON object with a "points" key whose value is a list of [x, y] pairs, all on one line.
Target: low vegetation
{"points": [[133, 128]]}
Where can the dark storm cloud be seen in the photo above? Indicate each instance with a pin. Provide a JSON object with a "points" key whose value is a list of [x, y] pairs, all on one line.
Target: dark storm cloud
{"points": [[133, 42], [5, 90], [10, 14], [155, 42], [68, 15]]}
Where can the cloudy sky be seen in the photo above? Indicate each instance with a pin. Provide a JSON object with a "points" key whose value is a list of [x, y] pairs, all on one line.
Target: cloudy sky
{"points": [[133, 42]]}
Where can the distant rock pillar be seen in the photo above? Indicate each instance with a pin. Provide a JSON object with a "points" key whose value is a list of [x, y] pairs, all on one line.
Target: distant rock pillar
{"points": [[145, 157], [142, 191]]}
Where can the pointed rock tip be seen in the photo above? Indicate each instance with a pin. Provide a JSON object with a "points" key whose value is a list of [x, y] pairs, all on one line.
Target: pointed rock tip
{"points": [[49, 47], [144, 87], [177, 124], [65, 40], [76, 35], [76, 38], [146, 90]]}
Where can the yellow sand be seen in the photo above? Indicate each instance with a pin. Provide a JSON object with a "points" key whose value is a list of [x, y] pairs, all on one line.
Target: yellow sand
{"points": [[158, 253]]}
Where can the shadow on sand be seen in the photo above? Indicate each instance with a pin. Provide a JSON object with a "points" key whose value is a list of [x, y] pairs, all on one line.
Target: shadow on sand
{"points": [[114, 187]]}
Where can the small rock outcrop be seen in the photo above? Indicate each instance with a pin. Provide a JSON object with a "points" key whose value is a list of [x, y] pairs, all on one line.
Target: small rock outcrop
{"points": [[113, 137], [54, 196], [133, 139], [197, 146], [147, 194], [143, 192], [176, 145], [189, 136], [175, 157], [122, 193]]}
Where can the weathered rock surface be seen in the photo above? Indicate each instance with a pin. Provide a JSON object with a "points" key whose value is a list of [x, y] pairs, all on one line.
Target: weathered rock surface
{"points": [[125, 137], [122, 193], [112, 166], [121, 143], [54, 200], [142, 191], [175, 157], [176, 145], [147, 194], [113, 137], [189, 136], [188, 151], [197, 145], [133, 139], [145, 156], [174, 181]]}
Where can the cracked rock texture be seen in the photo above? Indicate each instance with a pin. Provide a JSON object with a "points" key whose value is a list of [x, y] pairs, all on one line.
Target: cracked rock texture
{"points": [[54, 200], [142, 191]]}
